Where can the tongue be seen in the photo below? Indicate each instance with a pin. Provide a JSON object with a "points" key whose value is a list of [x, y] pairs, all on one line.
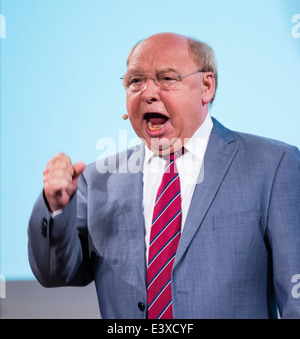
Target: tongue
{"points": [[157, 119]]}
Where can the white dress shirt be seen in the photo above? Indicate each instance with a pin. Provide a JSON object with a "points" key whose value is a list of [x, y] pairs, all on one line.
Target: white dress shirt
{"points": [[189, 166]]}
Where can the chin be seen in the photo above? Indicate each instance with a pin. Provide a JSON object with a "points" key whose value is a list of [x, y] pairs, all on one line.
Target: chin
{"points": [[164, 146]]}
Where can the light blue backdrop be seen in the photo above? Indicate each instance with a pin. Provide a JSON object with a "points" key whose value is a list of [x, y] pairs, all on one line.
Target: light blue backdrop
{"points": [[61, 62]]}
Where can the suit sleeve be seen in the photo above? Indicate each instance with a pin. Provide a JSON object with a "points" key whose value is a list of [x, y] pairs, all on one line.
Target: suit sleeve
{"points": [[284, 232], [58, 247]]}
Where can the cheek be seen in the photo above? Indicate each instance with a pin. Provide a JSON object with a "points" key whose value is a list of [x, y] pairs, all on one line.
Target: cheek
{"points": [[132, 104], [128, 105], [176, 109]]}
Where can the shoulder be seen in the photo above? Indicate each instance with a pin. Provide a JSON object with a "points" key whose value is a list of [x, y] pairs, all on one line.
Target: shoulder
{"points": [[266, 150], [255, 145]]}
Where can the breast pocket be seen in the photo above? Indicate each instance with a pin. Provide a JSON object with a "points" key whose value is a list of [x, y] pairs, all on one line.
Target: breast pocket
{"points": [[237, 219], [241, 233]]}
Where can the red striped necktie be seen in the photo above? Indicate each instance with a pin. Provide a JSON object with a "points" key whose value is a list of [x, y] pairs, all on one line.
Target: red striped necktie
{"points": [[164, 238]]}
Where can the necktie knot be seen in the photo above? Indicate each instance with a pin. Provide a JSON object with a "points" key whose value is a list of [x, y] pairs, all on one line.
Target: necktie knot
{"points": [[179, 153], [175, 155]]}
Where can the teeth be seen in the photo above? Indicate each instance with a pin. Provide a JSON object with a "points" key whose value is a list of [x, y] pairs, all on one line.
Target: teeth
{"points": [[155, 127]]}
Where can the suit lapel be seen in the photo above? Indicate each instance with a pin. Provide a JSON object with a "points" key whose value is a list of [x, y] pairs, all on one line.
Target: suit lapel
{"points": [[131, 196], [220, 152]]}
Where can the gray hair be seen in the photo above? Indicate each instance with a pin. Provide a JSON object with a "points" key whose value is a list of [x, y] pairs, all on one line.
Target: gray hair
{"points": [[205, 58]]}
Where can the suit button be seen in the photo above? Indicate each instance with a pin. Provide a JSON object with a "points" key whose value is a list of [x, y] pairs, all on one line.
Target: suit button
{"points": [[44, 227], [141, 306]]}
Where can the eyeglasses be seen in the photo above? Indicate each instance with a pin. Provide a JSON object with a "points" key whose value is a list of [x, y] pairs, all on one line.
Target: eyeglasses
{"points": [[136, 82]]}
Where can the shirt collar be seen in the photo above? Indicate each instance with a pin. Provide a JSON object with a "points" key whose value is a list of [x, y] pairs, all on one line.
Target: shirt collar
{"points": [[200, 137]]}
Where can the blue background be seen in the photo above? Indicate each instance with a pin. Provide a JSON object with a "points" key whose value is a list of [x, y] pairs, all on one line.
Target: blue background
{"points": [[61, 63]]}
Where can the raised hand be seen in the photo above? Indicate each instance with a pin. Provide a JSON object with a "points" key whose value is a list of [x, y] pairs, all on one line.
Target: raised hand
{"points": [[60, 180]]}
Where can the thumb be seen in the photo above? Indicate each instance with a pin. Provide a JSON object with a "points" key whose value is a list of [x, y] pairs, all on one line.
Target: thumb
{"points": [[78, 168]]}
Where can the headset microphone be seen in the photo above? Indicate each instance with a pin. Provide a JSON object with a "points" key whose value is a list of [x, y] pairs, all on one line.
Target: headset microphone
{"points": [[125, 116]]}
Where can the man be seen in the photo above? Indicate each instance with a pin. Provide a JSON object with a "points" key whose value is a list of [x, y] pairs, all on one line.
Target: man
{"points": [[226, 242]]}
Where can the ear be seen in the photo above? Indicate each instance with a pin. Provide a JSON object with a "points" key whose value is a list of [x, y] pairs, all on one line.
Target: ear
{"points": [[208, 87]]}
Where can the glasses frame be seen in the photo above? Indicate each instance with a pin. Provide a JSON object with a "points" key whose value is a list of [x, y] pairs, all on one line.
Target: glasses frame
{"points": [[184, 76], [156, 80]]}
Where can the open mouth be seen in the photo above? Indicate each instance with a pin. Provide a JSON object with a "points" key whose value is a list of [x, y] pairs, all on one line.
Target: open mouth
{"points": [[155, 121]]}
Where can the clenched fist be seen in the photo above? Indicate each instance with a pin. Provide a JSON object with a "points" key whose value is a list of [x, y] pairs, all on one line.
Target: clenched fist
{"points": [[60, 180]]}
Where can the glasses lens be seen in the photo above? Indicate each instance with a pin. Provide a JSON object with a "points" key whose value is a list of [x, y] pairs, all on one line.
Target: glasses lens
{"points": [[167, 79], [134, 82]]}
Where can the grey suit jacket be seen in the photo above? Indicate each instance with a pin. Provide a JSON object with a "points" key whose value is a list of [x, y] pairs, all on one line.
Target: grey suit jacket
{"points": [[238, 253]]}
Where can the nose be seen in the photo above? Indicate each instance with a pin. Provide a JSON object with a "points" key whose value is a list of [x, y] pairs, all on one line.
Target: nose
{"points": [[150, 93]]}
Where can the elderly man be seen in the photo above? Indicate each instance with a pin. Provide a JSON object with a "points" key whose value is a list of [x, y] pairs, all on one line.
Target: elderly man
{"points": [[212, 232]]}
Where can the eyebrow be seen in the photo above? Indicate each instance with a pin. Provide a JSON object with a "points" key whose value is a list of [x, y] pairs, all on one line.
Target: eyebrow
{"points": [[163, 70]]}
